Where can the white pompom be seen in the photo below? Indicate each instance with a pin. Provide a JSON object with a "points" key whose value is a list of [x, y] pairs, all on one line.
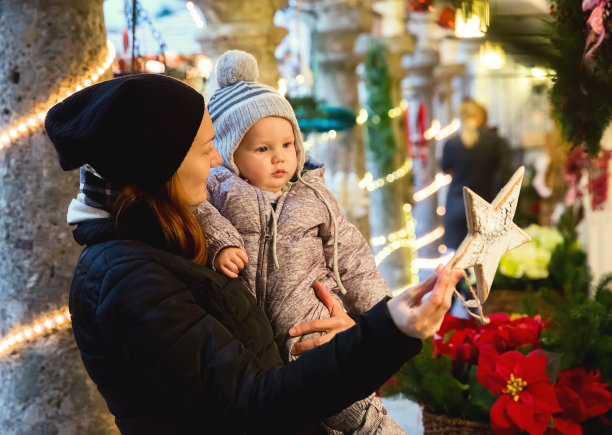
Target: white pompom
{"points": [[236, 66]]}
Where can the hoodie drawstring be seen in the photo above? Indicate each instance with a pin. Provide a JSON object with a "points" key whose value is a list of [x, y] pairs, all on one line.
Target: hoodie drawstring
{"points": [[276, 266], [335, 235]]}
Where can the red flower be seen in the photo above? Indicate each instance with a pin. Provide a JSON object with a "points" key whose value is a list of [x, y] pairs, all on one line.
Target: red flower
{"points": [[526, 400], [505, 333], [456, 338], [581, 396]]}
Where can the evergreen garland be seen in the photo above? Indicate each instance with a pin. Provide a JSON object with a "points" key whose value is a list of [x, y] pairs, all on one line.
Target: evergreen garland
{"points": [[581, 100], [379, 138]]}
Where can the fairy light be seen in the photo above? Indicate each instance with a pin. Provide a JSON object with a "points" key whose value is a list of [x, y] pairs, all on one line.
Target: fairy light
{"points": [[13, 132], [432, 131], [431, 263], [408, 241], [450, 129], [439, 181], [394, 112], [403, 238], [429, 238], [195, 14], [332, 134], [441, 210], [368, 182], [442, 248], [362, 117], [55, 320]]}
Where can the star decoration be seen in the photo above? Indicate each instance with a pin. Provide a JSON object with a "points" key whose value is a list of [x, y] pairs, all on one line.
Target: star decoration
{"points": [[491, 232]]}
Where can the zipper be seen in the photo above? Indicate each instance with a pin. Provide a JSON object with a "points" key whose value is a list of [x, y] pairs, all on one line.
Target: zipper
{"points": [[263, 254]]}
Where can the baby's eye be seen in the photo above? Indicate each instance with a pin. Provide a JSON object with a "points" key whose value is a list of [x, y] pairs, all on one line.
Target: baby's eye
{"points": [[261, 149], [287, 144]]}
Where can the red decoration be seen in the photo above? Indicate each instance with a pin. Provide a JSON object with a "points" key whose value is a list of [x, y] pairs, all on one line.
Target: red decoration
{"points": [[422, 127], [462, 338], [446, 19], [408, 139], [527, 402], [419, 5], [581, 395], [126, 41], [579, 162]]}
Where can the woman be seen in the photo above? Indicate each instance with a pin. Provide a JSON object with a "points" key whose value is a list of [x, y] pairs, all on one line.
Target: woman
{"points": [[473, 158], [173, 346]]}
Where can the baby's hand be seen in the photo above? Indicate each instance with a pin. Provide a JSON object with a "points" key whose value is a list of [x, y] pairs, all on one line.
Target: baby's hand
{"points": [[230, 261]]}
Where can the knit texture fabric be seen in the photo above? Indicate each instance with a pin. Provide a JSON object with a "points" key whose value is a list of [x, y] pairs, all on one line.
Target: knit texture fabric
{"points": [[135, 129], [240, 102]]}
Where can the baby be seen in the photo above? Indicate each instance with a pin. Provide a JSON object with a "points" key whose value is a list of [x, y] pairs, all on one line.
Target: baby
{"points": [[285, 230]]}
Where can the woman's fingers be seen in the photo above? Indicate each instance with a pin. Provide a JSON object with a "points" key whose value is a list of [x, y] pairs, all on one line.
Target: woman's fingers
{"points": [[305, 345], [440, 299], [318, 325], [325, 296]]}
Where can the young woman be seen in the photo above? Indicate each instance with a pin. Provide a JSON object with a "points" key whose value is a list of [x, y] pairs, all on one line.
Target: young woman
{"points": [[174, 347]]}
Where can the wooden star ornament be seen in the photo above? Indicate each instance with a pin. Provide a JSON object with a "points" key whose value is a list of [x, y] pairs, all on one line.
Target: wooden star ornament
{"points": [[491, 232]]}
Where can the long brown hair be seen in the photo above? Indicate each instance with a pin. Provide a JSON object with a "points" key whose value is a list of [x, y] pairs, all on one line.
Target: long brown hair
{"points": [[179, 226]]}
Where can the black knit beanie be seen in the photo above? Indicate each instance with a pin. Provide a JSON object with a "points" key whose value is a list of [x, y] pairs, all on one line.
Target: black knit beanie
{"points": [[132, 130]]}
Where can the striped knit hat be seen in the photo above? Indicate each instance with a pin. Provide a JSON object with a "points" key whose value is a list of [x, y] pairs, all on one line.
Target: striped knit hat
{"points": [[240, 102]]}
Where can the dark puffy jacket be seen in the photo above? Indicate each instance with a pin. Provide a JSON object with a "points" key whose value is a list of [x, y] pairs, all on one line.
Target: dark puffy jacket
{"points": [[176, 348]]}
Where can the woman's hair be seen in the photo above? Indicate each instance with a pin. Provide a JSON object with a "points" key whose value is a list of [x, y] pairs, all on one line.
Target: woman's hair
{"points": [[471, 109], [180, 229]]}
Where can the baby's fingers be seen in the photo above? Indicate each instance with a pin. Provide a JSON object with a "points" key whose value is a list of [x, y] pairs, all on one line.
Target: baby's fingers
{"points": [[225, 270], [243, 256]]}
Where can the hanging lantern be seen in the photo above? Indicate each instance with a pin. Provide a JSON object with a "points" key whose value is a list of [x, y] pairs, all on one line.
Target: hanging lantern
{"points": [[472, 19], [446, 19], [492, 56]]}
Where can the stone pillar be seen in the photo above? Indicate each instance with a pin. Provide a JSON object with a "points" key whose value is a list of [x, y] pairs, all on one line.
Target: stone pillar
{"points": [[48, 47], [386, 203], [339, 24], [242, 25], [418, 88]]}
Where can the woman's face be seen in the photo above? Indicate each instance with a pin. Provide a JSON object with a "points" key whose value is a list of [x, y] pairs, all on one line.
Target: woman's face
{"points": [[195, 169]]}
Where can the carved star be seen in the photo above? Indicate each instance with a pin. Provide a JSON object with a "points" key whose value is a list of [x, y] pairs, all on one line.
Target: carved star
{"points": [[491, 232]]}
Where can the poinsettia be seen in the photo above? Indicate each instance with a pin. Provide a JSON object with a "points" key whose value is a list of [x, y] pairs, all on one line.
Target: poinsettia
{"points": [[456, 339], [581, 395], [527, 402], [505, 332]]}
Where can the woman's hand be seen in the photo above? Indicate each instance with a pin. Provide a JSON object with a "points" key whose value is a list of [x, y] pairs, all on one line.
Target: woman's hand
{"points": [[419, 311], [337, 322], [230, 261]]}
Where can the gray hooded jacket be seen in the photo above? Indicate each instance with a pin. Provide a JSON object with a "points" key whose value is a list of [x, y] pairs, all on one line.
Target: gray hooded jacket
{"points": [[300, 233]]}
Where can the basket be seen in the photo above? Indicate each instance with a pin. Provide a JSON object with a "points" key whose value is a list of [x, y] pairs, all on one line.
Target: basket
{"points": [[444, 425]]}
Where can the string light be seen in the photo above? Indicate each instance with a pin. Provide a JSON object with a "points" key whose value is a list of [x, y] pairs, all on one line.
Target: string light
{"points": [[362, 117], [431, 263], [429, 238], [21, 127], [440, 181], [432, 131], [405, 232], [441, 210], [55, 320], [408, 243], [195, 14], [370, 184], [450, 129]]}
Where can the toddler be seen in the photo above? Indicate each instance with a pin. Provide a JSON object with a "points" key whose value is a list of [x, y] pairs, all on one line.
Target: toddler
{"points": [[285, 228]]}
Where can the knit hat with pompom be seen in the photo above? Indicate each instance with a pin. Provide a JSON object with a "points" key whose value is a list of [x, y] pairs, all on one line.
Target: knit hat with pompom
{"points": [[240, 102]]}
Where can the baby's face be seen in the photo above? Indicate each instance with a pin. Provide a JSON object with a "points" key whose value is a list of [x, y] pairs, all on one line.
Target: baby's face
{"points": [[267, 156]]}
